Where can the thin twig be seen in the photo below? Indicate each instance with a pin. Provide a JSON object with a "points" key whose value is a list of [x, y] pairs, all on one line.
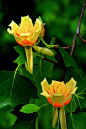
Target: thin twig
{"points": [[78, 28], [82, 38], [63, 47], [44, 58]]}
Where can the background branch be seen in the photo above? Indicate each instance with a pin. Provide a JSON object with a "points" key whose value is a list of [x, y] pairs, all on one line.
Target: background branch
{"points": [[75, 37], [82, 38], [78, 28]]}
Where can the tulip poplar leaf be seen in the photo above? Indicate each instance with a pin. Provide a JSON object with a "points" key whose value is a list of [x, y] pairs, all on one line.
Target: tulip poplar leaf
{"points": [[7, 119], [21, 59], [29, 108], [19, 49], [76, 120], [47, 68], [37, 76], [25, 121], [15, 89], [69, 60]]}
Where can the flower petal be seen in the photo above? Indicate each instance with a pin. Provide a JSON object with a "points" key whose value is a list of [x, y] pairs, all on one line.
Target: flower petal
{"points": [[25, 36], [18, 39], [45, 51], [35, 35], [73, 91], [15, 28], [26, 24], [71, 85], [55, 116], [44, 85], [62, 118], [45, 94], [37, 25], [29, 56], [57, 98]]}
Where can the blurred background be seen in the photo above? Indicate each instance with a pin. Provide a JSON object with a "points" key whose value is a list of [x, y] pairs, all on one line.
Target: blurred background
{"points": [[61, 18]]}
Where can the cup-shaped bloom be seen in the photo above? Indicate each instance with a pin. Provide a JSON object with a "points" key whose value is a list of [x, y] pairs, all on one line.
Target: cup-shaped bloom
{"points": [[58, 93], [26, 34]]}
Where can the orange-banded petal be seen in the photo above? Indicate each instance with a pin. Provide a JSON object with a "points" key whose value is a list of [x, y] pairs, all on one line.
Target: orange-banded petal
{"points": [[17, 38], [57, 98], [35, 35], [55, 104]]}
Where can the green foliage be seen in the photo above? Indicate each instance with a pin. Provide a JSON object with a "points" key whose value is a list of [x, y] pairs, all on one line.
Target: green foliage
{"points": [[15, 89], [52, 41], [69, 60], [29, 108], [22, 57], [7, 119], [20, 87], [25, 121], [76, 120]]}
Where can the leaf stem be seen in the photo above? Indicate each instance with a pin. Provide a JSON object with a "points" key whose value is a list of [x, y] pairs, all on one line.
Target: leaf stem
{"points": [[44, 105], [47, 45]]}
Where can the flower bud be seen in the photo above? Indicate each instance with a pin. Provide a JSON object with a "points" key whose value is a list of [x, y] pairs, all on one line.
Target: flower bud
{"points": [[44, 51]]}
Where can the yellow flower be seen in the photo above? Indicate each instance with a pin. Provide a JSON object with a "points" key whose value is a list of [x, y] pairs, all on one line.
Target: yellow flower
{"points": [[58, 93], [26, 34]]}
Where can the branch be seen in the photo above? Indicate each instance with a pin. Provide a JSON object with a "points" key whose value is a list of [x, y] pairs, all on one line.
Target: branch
{"points": [[82, 38], [63, 47], [44, 58], [78, 28]]}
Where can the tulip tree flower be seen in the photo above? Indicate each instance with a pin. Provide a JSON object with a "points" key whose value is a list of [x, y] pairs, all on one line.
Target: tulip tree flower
{"points": [[26, 35], [59, 94]]}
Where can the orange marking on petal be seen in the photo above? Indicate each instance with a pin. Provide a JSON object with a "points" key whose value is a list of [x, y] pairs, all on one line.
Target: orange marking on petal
{"points": [[17, 34], [54, 91], [55, 86], [66, 95], [49, 100], [25, 41], [19, 43], [57, 105], [67, 102], [47, 90]]}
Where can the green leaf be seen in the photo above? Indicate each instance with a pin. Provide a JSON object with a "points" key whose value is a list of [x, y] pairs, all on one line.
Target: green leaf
{"points": [[24, 72], [21, 59], [15, 89], [37, 77], [19, 49], [6, 118], [25, 121], [29, 108], [46, 68], [69, 60], [76, 120], [40, 19], [52, 41]]}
